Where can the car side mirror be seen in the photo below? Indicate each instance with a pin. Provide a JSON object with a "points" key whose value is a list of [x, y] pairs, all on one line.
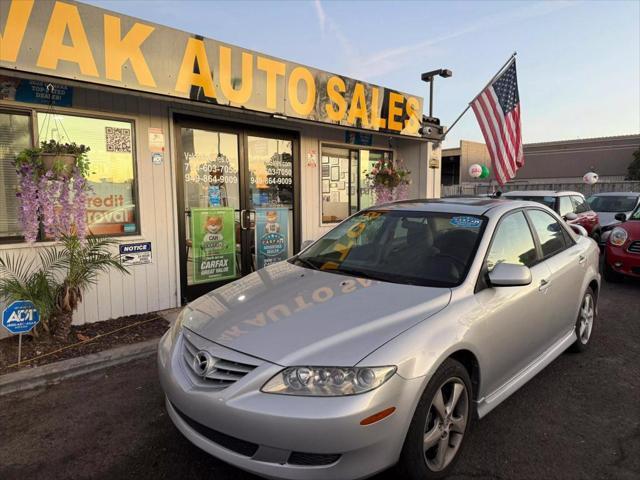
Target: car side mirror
{"points": [[579, 230], [305, 244], [621, 217], [570, 216], [509, 275]]}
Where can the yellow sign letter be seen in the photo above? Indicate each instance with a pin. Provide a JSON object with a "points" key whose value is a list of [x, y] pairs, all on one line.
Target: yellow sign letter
{"points": [[187, 77], [63, 17], [11, 39], [118, 50], [336, 86], [272, 69], [246, 82]]}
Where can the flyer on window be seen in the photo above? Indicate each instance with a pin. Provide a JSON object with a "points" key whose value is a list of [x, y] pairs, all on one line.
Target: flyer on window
{"points": [[272, 235], [214, 244]]}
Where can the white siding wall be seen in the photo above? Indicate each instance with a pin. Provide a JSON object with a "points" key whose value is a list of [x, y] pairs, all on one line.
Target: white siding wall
{"points": [[156, 286]]}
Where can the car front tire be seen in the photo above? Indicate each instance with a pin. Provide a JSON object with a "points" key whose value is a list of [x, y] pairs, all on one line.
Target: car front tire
{"points": [[586, 319], [439, 426]]}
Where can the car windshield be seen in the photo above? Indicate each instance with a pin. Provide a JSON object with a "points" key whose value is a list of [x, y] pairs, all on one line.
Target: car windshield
{"points": [[415, 248], [609, 203], [635, 215], [546, 200]]}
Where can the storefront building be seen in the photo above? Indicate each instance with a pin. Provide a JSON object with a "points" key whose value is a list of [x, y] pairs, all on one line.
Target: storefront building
{"points": [[193, 143]]}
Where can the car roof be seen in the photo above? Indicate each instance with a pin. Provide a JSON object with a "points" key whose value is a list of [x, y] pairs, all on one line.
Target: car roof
{"points": [[540, 193], [463, 205], [616, 194]]}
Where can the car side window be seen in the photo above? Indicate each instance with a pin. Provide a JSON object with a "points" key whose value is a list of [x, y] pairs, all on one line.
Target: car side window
{"points": [[512, 243], [550, 232], [565, 206], [580, 204]]}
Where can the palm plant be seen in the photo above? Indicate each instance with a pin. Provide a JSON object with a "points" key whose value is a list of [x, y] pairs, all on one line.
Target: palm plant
{"points": [[82, 262], [56, 282], [22, 278]]}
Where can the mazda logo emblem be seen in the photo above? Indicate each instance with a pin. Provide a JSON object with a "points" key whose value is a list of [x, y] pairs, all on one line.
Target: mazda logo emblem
{"points": [[203, 363]]}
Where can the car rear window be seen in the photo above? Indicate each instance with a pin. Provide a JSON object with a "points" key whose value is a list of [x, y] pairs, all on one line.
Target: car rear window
{"points": [[617, 204]]}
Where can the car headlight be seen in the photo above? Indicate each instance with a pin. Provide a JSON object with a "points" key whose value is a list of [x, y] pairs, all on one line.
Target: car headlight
{"points": [[618, 236], [327, 381], [176, 328]]}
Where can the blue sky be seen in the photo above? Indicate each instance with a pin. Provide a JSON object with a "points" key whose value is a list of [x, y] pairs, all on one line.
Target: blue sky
{"points": [[578, 62]]}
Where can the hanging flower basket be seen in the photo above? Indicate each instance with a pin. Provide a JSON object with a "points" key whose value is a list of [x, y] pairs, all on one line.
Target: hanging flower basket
{"points": [[61, 163], [389, 181], [53, 189]]}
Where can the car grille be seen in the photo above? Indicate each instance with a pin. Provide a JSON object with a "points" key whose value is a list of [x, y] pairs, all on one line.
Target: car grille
{"points": [[234, 444], [224, 374], [634, 247], [311, 459]]}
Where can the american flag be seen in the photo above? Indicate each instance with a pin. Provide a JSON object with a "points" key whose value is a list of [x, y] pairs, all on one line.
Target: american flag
{"points": [[497, 109]]}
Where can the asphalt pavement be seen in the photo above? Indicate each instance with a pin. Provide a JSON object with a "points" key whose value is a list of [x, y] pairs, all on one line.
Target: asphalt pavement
{"points": [[578, 419]]}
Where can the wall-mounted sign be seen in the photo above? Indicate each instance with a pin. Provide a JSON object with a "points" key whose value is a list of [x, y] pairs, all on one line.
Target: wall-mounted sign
{"points": [[20, 317], [272, 235], [358, 138], [82, 42], [156, 139], [135, 253], [34, 91], [213, 237]]}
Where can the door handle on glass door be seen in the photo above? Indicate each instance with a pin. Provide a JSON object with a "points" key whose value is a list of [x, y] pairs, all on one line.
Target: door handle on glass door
{"points": [[242, 214]]}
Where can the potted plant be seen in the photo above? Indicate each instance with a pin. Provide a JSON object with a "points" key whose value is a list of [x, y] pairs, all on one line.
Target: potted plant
{"points": [[56, 285], [389, 181], [52, 189]]}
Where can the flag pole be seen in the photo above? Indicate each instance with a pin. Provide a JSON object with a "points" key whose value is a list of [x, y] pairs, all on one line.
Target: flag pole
{"points": [[483, 89]]}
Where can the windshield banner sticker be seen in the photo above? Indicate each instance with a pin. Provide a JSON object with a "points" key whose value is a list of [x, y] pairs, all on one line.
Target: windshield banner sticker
{"points": [[214, 244], [272, 235], [466, 222]]}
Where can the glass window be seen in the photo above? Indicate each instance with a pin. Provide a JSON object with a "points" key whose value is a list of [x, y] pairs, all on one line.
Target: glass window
{"points": [[512, 243], [415, 248], [635, 215], [548, 201], [580, 204], [613, 203], [15, 136], [111, 205], [344, 188], [565, 206], [550, 232]]}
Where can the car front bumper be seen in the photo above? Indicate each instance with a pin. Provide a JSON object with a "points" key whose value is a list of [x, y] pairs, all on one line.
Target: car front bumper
{"points": [[283, 436], [622, 261]]}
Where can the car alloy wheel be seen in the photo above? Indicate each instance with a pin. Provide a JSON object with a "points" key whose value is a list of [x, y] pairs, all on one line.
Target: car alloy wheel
{"points": [[585, 322], [446, 424]]}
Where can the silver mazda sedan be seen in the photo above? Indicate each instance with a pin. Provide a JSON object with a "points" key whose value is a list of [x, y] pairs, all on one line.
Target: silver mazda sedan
{"points": [[381, 342]]}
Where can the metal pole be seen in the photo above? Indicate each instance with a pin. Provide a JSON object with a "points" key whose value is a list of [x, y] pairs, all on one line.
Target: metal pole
{"points": [[483, 89], [19, 347], [431, 97]]}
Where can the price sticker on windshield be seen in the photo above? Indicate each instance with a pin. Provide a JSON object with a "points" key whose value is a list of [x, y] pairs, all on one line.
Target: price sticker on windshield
{"points": [[466, 222]]}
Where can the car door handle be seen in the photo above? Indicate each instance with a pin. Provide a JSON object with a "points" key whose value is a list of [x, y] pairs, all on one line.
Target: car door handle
{"points": [[582, 259], [544, 284]]}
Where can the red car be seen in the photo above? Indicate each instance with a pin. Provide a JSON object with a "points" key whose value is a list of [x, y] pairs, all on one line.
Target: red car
{"points": [[571, 206], [622, 255]]}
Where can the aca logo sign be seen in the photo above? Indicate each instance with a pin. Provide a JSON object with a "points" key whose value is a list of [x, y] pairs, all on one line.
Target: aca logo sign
{"points": [[20, 317]]}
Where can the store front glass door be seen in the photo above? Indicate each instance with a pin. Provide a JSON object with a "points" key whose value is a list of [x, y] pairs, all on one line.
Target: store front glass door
{"points": [[270, 199], [235, 204]]}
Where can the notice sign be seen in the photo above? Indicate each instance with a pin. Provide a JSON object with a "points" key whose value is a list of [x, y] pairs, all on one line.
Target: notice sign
{"points": [[213, 235], [20, 317], [135, 253], [272, 235]]}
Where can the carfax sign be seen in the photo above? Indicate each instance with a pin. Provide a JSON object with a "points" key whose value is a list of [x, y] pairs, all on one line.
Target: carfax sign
{"points": [[135, 253], [20, 317], [272, 235], [213, 237]]}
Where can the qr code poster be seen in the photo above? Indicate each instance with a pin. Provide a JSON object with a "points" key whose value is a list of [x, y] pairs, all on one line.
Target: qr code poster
{"points": [[118, 139]]}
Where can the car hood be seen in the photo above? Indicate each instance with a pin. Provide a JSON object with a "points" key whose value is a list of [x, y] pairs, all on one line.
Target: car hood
{"points": [[633, 228], [291, 315]]}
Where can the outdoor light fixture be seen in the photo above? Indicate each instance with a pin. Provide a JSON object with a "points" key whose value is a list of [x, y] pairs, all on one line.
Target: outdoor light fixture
{"points": [[428, 77]]}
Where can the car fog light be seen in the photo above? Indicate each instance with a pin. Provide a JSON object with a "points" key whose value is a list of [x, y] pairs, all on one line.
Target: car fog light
{"points": [[328, 381]]}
